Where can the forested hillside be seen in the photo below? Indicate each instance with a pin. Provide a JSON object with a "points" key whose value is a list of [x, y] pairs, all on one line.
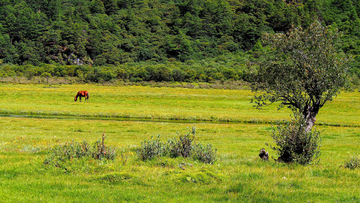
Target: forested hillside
{"points": [[115, 32]]}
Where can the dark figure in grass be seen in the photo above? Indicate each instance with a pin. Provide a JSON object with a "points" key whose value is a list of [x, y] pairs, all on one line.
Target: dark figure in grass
{"points": [[82, 94], [264, 155]]}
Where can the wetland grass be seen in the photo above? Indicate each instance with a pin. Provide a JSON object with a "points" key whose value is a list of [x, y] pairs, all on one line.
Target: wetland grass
{"points": [[238, 175], [164, 103]]}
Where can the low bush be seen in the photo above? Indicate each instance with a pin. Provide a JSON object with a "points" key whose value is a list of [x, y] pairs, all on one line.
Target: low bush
{"points": [[353, 163], [294, 144], [151, 148], [182, 147], [77, 150], [205, 153]]}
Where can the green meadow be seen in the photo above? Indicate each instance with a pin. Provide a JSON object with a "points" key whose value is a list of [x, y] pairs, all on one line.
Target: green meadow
{"points": [[144, 102], [36, 118]]}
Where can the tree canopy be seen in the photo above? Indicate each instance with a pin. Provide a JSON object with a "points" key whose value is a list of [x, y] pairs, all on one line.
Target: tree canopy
{"points": [[95, 32], [304, 72]]}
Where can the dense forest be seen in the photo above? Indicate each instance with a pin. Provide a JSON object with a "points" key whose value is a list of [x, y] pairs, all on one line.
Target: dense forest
{"points": [[171, 40]]}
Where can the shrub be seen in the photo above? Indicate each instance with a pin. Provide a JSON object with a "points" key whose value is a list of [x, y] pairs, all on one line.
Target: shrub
{"points": [[184, 147], [353, 163], [294, 144], [103, 152], [178, 74], [151, 148], [76, 150], [205, 153]]}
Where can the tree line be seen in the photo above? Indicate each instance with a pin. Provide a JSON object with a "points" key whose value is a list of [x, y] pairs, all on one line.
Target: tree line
{"points": [[117, 32], [222, 68]]}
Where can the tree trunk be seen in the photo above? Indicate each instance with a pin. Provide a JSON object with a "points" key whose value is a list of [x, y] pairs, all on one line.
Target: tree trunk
{"points": [[310, 122], [310, 115]]}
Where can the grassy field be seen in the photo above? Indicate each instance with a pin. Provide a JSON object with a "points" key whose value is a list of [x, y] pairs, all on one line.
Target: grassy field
{"points": [[238, 174], [162, 103]]}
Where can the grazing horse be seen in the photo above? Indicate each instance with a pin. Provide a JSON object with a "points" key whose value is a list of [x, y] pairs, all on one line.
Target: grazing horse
{"points": [[82, 94]]}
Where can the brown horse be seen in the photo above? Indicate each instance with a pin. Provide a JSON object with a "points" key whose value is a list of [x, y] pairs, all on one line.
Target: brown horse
{"points": [[82, 94]]}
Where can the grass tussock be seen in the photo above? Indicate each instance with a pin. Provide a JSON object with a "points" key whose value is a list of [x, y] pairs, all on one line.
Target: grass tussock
{"points": [[64, 156], [183, 146], [353, 162]]}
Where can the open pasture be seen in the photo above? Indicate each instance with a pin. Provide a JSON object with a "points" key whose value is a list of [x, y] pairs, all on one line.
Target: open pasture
{"points": [[142, 102], [238, 174]]}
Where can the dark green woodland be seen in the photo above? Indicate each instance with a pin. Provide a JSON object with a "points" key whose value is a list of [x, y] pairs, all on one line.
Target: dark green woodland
{"points": [[158, 40]]}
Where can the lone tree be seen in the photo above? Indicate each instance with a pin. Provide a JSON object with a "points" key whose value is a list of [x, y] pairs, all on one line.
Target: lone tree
{"points": [[303, 72]]}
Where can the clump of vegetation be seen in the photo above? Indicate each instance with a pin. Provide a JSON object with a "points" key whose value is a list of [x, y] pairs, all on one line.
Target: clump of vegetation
{"points": [[294, 143], [61, 154], [353, 163], [151, 148], [304, 72], [182, 147], [202, 176], [115, 177], [205, 153]]}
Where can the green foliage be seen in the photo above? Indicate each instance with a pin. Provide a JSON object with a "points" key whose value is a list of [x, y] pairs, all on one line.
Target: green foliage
{"points": [[204, 153], [151, 148], [116, 32], [61, 155], [294, 143], [105, 33], [353, 162], [305, 71], [228, 67], [183, 147]]}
